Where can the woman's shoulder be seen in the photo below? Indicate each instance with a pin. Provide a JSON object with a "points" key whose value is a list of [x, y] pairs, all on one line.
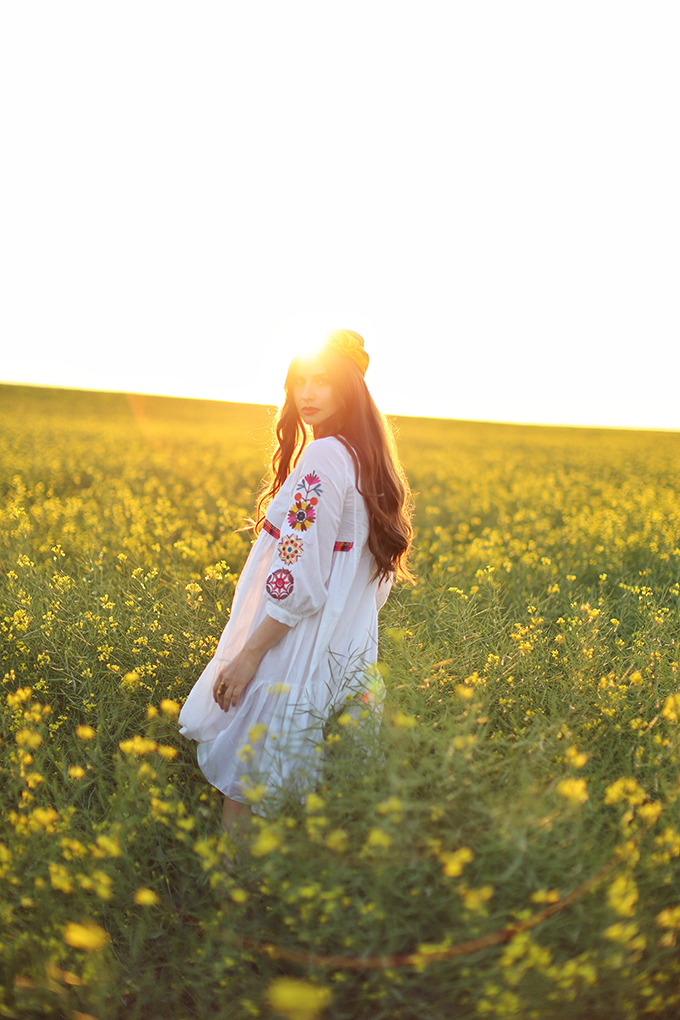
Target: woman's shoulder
{"points": [[328, 451]]}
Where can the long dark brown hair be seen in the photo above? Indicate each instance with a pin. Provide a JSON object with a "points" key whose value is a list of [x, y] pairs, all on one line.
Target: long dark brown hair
{"points": [[369, 438]]}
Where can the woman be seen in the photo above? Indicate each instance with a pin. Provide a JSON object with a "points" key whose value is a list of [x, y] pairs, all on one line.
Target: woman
{"points": [[303, 624]]}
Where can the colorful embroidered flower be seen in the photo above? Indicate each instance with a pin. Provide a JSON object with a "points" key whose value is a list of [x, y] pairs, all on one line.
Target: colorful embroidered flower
{"points": [[312, 483], [280, 584], [289, 549], [302, 514]]}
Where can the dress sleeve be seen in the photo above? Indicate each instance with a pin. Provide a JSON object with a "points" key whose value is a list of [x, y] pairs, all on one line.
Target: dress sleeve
{"points": [[298, 583]]}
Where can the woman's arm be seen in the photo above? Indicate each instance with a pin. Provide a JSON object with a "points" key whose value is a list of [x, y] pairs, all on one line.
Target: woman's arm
{"points": [[232, 678]]}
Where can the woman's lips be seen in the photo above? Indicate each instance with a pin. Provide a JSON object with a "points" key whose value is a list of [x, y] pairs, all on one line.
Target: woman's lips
{"points": [[309, 410]]}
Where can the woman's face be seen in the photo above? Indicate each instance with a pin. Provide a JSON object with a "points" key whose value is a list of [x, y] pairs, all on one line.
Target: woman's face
{"points": [[313, 393]]}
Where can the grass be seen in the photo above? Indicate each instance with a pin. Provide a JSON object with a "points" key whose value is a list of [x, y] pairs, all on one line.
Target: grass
{"points": [[506, 844]]}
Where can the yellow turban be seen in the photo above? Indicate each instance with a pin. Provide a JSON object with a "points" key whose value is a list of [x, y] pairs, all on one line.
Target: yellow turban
{"points": [[349, 343]]}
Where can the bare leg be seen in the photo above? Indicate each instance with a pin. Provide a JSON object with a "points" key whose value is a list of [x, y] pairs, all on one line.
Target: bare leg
{"points": [[235, 815]]}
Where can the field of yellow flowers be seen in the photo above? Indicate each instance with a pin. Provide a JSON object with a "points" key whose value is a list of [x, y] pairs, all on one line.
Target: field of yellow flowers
{"points": [[506, 844]]}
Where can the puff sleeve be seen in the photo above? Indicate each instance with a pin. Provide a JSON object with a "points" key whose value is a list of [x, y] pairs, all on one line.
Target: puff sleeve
{"points": [[297, 585]]}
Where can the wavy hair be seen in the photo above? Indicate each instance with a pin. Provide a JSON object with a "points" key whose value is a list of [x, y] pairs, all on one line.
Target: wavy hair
{"points": [[369, 438]]}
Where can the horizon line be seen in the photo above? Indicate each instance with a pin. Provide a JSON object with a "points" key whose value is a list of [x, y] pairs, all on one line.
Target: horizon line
{"points": [[388, 414]]}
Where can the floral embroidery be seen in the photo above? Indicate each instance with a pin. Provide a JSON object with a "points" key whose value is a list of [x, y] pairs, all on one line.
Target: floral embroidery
{"points": [[289, 549], [302, 514], [280, 584]]}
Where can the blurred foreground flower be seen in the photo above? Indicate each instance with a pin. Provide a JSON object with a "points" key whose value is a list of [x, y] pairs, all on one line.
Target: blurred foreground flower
{"points": [[574, 790], [28, 738], [297, 1000], [85, 936], [146, 897], [85, 733], [456, 861], [403, 721]]}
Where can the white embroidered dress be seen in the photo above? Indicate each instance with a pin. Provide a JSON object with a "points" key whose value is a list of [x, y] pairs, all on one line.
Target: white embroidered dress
{"points": [[311, 569]]}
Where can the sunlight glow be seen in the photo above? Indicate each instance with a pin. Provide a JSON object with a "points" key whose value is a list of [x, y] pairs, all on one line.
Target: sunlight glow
{"points": [[487, 194]]}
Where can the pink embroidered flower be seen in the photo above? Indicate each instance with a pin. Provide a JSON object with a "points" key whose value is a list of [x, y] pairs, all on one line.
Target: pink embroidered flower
{"points": [[312, 483], [289, 549], [280, 584]]}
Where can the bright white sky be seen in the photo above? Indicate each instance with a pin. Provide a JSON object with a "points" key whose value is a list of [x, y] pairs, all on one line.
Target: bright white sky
{"points": [[487, 191]]}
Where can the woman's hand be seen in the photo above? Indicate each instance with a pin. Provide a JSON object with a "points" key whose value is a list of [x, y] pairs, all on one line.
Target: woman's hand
{"points": [[232, 678]]}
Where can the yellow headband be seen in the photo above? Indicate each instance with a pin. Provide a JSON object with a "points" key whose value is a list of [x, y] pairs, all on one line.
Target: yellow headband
{"points": [[349, 343]]}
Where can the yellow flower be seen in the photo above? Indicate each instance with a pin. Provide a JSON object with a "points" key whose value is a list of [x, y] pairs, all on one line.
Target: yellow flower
{"points": [[76, 772], [575, 757], [377, 837], [45, 817], [239, 895], [545, 896], [623, 895], [465, 692], [256, 732], [85, 733], [28, 738], [456, 861], [671, 707], [146, 898], [109, 845], [169, 707], [151, 712], [624, 787], [403, 721], [99, 882], [267, 840], [72, 848], [314, 802], [297, 1000], [462, 741], [166, 751], [256, 793], [393, 805], [475, 899], [650, 812], [138, 745], [669, 918], [60, 877], [23, 694], [337, 840], [573, 790], [626, 934], [85, 936]]}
